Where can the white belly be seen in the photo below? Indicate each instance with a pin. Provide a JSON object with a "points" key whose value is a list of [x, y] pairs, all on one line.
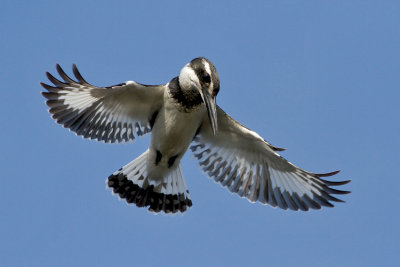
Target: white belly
{"points": [[171, 135]]}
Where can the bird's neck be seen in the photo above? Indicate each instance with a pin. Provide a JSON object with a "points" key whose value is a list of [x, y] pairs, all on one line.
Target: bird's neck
{"points": [[188, 99]]}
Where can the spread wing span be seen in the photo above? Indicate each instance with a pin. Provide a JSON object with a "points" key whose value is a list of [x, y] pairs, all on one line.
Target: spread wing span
{"points": [[246, 164], [110, 114]]}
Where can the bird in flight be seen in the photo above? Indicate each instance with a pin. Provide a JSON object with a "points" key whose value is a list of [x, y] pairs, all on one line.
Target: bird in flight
{"points": [[180, 114]]}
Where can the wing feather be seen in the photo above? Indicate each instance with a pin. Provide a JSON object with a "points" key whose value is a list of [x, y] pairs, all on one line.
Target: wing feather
{"points": [[246, 164], [111, 114]]}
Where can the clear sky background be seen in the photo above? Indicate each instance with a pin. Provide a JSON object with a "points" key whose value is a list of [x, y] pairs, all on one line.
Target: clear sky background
{"points": [[320, 78]]}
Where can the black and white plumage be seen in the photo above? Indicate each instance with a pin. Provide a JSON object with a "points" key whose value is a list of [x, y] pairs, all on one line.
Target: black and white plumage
{"points": [[180, 114]]}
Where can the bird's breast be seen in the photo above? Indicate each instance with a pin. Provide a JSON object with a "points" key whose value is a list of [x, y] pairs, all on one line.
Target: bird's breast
{"points": [[174, 129]]}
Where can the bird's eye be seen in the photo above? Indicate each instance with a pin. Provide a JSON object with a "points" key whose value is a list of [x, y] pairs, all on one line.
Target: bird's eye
{"points": [[206, 78]]}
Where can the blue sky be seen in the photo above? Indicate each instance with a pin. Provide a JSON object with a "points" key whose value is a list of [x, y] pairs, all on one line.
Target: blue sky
{"points": [[320, 78]]}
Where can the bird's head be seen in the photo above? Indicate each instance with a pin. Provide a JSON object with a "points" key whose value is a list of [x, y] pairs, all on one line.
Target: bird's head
{"points": [[200, 75]]}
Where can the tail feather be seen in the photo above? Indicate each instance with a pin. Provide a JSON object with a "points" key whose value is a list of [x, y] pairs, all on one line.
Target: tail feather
{"points": [[132, 183]]}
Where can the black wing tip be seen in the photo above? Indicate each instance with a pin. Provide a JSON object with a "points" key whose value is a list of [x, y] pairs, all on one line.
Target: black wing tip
{"points": [[49, 88], [54, 80], [46, 94], [63, 75], [278, 148], [78, 75], [332, 183], [75, 68], [331, 198], [327, 174], [66, 78], [341, 192], [45, 86], [274, 148], [59, 69]]}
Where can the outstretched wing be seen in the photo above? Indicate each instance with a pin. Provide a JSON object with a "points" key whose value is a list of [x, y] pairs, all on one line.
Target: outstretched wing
{"points": [[110, 114], [246, 164]]}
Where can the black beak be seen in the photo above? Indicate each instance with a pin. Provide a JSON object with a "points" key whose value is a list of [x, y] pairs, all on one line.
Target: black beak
{"points": [[211, 106]]}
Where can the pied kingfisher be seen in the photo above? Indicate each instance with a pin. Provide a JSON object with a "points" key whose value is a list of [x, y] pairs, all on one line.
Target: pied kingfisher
{"points": [[180, 114]]}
